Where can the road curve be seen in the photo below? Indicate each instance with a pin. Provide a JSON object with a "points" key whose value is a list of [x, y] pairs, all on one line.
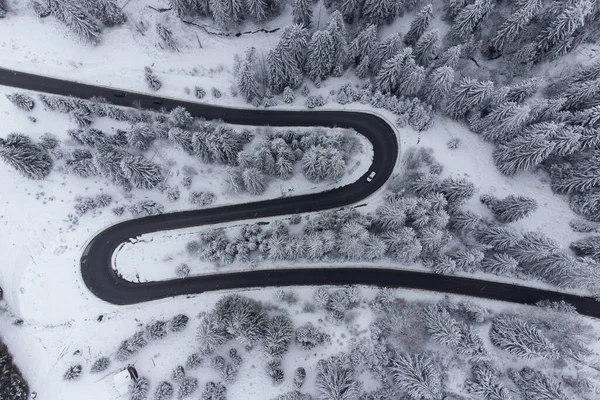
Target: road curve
{"points": [[96, 261]]}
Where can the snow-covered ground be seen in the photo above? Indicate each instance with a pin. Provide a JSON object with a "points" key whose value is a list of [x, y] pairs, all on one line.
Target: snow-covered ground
{"points": [[41, 247]]}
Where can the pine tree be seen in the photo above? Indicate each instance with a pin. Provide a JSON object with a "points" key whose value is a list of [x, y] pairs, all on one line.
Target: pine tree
{"points": [[558, 36], [2, 9], [509, 30], [278, 336], [286, 60], [403, 245], [246, 80], [521, 91], [349, 9], [254, 181], [417, 375], [363, 44], [257, 9], [437, 85], [499, 264], [411, 77], [76, 19], [468, 95], [363, 68], [227, 12], [21, 100], [164, 391], [449, 57], [336, 380], [29, 159], [320, 56], [151, 79], [385, 50], [536, 386], [141, 172], [441, 326], [588, 247], [419, 25], [388, 78], [487, 384], [521, 154], [138, 390], [106, 11], [101, 364], [302, 12], [378, 11], [426, 49], [470, 19], [504, 122], [420, 117], [337, 30], [521, 339], [454, 7], [511, 208]]}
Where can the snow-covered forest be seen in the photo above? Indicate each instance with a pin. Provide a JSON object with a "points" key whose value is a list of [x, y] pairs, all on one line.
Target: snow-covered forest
{"points": [[496, 105], [391, 346]]}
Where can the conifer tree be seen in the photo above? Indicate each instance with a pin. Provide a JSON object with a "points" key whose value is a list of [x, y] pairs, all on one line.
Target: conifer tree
{"points": [[388, 78], [378, 11], [141, 172], [504, 122], [558, 36], [384, 51], [535, 385], [337, 30], [77, 19], [320, 56], [521, 339], [246, 80], [227, 12], [449, 57], [454, 7], [437, 85], [470, 19], [257, 9], [302, 12], [363, 68], [349, 9], [468, 95], [507, 32], [511, 208], [411, 78], [419, 25], [363, 44], [417, 375], [286, 60], [29, 159], [427, 48], [522, 153]]}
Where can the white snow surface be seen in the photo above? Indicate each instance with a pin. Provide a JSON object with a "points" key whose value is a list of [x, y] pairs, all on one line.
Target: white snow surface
{"points": [[40, 273]]}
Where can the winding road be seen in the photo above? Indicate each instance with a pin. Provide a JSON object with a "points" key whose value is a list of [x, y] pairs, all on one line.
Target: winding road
{"points": [[96, 261]]}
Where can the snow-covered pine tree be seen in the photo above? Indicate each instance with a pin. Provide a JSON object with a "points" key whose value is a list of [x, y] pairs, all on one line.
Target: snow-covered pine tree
{"points": [[363, 44], [151, 79], [246, 79], [403, 245], [105, 11], [349, 9], [336, 379], [101, 364], [419, 25], [587, 247], [363, 68], [441, 326], [138, 390], [285, 61], [469, 19], [449, 58], [254, 181], [535, 385], [379, 11], [427, 47], [437, 85], [76, 19], [557, 38], [23, 101], [417, 375], [302, 12], [2, 9], [164, 391], [487, 384], [511, 208], [506, 33], [388, 78], [521, 339], [337, 30], [29, 159], [504, 122], [454, 7], [166, 35], [498, 237], [411, 78], [257, 9], [468, 95], [499, 264], [278, 336], [385, 50], [227, 12], [523, 90], [320, 56], [521, 154], [141, 172], [420, 117]]}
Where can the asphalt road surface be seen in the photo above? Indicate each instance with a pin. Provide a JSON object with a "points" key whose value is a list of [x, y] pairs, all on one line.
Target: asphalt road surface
{"points": [[96, 261]]}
